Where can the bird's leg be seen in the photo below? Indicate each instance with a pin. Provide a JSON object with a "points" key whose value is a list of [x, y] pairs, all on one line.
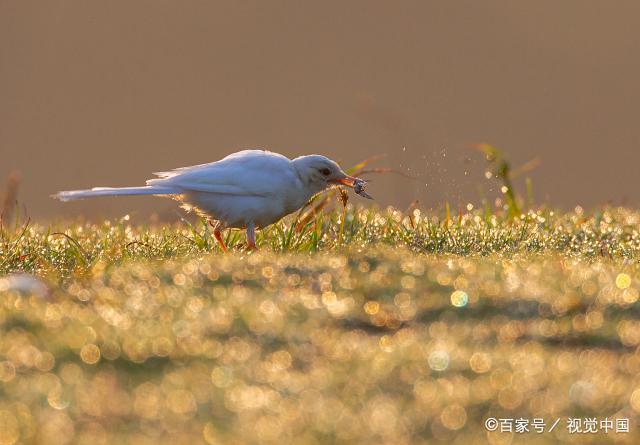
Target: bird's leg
{"points": [[251, 237], [217, 233]]}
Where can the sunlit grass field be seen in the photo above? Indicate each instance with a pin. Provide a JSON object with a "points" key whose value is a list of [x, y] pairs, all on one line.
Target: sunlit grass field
{"points": [[360, 326]]}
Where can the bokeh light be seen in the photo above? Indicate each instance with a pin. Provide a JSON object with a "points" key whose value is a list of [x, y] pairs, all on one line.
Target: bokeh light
{"points": [[459, 298]]}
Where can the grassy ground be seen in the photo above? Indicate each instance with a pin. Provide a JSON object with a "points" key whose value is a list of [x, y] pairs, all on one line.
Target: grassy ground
{"points": [[388, 328]]}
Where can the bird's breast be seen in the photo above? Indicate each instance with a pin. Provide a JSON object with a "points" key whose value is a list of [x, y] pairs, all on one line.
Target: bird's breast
{"points": [[238, 210]]}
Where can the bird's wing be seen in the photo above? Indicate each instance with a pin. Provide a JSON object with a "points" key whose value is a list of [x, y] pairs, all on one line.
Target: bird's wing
{"points": [[248, 172]]}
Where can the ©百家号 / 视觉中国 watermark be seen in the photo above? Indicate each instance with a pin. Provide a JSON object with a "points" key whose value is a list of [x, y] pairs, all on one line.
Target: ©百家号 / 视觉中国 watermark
{"points": [[573, 425]]}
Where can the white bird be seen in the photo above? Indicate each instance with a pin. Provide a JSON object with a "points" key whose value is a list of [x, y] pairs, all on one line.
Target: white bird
{"points": [[249, 189]]}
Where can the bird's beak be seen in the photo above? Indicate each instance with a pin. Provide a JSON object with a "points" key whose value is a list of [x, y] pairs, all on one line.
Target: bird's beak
{"points": [[349, 181]]}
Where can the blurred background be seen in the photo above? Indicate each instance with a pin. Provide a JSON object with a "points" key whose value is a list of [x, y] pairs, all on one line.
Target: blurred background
{"points": [[97, 93]]}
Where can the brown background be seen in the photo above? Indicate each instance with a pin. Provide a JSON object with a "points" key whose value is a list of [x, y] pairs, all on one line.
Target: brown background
{"points": [[105, 92]]}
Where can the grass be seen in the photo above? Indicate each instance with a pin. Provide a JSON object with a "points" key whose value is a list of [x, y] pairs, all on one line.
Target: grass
{"points": [[60, 251], [349, 326]]}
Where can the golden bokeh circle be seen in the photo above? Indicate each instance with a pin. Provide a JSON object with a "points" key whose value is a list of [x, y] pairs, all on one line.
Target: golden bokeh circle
{"points": [[90, 354], [623, 281], [372, 307], [453, 417], [480, 362], [459, 298]]}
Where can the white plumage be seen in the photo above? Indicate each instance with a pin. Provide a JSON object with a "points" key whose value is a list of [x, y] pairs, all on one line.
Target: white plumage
{"points": [[249, 189]]}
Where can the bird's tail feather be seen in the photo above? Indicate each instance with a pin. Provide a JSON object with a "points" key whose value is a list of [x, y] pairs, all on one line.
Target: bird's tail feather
{"points": [[71, 195]]}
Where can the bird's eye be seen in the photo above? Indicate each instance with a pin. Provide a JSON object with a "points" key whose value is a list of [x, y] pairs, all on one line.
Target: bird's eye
{"points": [[325, 171]]}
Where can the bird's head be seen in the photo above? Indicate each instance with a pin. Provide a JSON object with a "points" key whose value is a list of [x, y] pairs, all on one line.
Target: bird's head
{"points": [[320, 172]]}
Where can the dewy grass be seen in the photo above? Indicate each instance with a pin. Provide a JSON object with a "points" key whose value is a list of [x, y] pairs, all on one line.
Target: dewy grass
{"points": [[74, 248]]}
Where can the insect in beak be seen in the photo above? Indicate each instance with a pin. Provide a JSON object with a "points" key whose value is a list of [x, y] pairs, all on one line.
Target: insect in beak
{"points": [[356, 184]]}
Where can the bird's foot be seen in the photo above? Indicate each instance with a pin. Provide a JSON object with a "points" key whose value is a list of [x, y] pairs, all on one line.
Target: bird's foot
{"points": [[251, 246], [218, 235]]}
